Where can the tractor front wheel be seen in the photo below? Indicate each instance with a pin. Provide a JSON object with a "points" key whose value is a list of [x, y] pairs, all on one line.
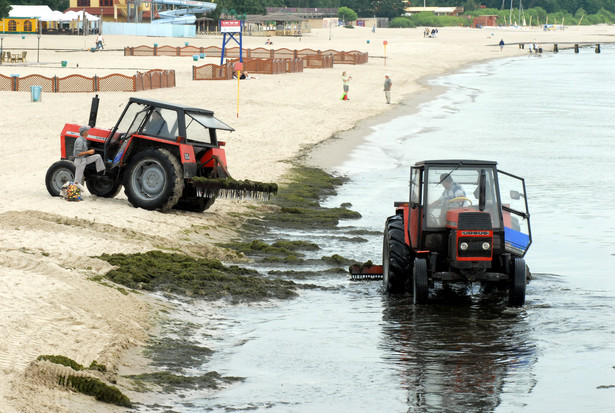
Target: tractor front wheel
{"points": [[516, 292], [395, 256], [57, 175], [154, 180], [420, 281]]}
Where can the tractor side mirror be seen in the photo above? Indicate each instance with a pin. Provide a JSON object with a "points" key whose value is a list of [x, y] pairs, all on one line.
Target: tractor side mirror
{"points": [[516, 195]]}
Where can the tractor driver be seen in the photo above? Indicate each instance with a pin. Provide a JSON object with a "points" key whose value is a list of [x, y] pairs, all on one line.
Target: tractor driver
{"points": [[452, 191], [85, 156]]}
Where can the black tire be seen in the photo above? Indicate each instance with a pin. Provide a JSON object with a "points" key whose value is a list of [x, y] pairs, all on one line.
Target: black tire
{"points": [[57, 175], [516, 291], [420, 281], [194, 204], [102, 187], [395, 256], [154, 180]]}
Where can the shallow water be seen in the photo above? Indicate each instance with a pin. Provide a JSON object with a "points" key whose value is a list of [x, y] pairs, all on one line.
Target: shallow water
{"points": [[353, 349]]}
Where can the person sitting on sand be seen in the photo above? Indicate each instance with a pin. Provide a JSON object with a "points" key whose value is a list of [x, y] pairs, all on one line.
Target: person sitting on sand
{"points": [[99, 42]]}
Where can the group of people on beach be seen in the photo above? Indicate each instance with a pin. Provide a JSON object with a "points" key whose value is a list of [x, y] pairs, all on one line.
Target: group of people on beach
{"points": [[428, 33], [346, 85]]}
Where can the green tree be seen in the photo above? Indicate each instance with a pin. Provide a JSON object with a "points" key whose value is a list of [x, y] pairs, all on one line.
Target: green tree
{"points": [[346, 14], [4, 8], [388, 8]]}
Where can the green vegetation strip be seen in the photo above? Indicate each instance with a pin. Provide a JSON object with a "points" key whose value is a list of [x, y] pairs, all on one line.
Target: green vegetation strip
{"points": [[206, 278], [170, 382], [90, 386], [299, 201]]}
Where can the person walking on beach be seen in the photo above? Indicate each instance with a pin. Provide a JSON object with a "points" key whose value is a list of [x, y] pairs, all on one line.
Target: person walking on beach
{"points": [[346, 81], [387, 88], [501, 44]]}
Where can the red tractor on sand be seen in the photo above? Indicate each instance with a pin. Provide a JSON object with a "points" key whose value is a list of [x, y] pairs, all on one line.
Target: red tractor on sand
{"points": [[165, 155], [466, 222]]}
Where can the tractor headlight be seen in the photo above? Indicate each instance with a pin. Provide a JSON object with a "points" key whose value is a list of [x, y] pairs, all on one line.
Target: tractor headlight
{"points": [[486, 246], [463, 246]]}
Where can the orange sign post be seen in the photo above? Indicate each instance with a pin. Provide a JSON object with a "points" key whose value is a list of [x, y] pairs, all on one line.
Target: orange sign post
{"points": [[385, 52]]}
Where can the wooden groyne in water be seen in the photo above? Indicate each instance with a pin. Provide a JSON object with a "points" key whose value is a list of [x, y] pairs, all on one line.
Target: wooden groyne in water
{"points": [[538, 48]]}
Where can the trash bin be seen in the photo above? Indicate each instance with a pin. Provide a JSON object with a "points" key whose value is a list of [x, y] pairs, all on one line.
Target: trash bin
{"points": [[64, 63], [155, 44], [195, 57], [202, 55], [36, 92], [186, 43]]}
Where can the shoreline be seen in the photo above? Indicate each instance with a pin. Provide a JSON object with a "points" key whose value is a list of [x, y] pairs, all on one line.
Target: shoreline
{"points": [[47, 252]]}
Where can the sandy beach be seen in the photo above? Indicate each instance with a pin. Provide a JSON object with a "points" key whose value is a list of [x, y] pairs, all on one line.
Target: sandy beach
{"points": [[50, 303]]}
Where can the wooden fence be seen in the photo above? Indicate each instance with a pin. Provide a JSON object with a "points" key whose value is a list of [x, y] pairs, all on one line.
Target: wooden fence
{"points": [[153, 79], [252, 65], [353, 57]]}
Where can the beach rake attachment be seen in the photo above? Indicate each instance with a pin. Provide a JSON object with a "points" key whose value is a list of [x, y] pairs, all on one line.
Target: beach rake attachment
{"points": [[365, 272], [220, 184], [233, 189]]}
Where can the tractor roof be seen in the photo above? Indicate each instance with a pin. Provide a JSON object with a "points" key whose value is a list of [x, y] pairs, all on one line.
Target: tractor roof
{"points": [[173, 106], [455, 162], [208, 120]]}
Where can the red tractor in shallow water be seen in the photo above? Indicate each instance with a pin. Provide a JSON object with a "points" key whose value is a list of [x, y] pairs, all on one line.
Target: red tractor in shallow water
{"points": [[165, 155], [466, 222]]}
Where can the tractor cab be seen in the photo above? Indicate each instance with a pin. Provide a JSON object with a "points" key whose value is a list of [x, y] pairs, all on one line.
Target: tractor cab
{"points": [[146, 119], [487, 205]]}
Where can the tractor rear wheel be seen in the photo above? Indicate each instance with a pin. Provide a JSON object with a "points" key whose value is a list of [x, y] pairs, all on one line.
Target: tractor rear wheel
{"points": [[516, 292], [102, 187], [57, 175], [420, 281], [395, 256], [154, 180]]}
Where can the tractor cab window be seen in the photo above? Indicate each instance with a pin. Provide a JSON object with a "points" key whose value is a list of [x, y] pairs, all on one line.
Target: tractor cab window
{"points": [[515, 213], [201, 128], [131, 120], [415, 186], [450, 187], [161, 122]]}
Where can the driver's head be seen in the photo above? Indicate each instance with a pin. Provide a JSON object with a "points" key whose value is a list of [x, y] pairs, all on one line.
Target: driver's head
{"points": [[83, 131], [446, 180]]}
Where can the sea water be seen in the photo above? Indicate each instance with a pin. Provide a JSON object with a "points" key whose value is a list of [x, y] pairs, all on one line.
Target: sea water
{"points": [[546, 118]]}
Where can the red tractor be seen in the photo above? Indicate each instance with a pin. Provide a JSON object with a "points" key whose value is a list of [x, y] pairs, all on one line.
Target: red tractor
{"points": [[461, 227], [165, 155]]}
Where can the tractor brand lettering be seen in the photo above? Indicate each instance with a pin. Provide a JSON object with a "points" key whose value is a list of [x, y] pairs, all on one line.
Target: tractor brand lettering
{"points": [[475, 233], [187, 156]]}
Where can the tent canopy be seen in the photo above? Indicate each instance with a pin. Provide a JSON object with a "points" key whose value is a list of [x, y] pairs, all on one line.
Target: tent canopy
{"points": [[78, 15], [29, 11]]}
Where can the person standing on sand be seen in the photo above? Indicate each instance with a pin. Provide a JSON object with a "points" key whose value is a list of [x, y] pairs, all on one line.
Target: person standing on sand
{"points": [[387, 88], [501, 45], [346, 82]]}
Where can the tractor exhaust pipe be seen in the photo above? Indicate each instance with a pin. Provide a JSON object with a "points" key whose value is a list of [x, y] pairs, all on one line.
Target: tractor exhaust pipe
{"points": [[93, 111]]}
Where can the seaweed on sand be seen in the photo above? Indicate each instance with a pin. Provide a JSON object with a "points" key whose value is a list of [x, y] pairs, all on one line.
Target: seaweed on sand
{"points": [[202, 277]]}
